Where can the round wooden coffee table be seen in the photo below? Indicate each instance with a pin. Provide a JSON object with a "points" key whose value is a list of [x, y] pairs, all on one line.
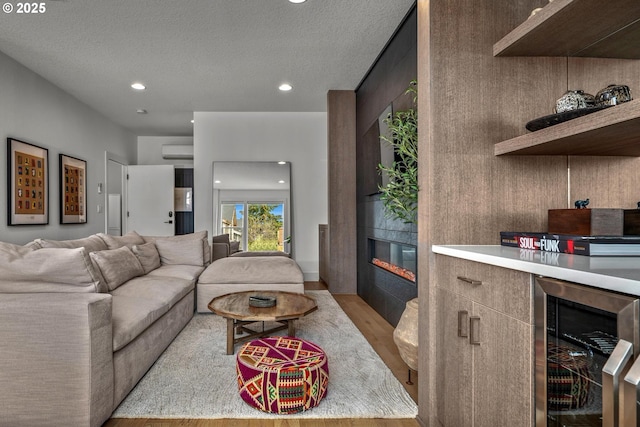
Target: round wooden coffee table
{"points": [[235, 308]]}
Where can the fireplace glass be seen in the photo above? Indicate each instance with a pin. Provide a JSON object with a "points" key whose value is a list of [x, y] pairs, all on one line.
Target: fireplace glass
{"points": [[397, 258]]}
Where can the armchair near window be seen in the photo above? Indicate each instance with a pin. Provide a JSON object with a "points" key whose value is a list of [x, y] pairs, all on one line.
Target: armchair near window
{"points": [[221, 247]]}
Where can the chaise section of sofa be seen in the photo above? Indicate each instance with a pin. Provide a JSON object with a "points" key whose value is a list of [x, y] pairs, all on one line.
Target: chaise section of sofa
{"points": [[85, 319]]}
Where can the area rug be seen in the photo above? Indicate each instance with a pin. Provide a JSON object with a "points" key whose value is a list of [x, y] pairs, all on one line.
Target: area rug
{"points": [[195, 378]]}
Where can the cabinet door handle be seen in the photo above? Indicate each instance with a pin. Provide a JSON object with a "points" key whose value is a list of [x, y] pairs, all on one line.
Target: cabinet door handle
{"points": [[630, 391], [613, 369], [474, 329], [463, 331], [469, 281]]}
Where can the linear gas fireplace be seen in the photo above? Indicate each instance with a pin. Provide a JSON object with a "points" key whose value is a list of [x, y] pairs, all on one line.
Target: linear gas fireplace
{"points": [[397, 258]]}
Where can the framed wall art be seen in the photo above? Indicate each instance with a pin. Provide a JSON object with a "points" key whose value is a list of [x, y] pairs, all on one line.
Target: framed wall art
{"points": [[73, 190], [28, 183]]}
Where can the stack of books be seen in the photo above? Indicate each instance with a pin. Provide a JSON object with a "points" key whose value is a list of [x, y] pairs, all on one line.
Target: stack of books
{"points": [[573, 244]]}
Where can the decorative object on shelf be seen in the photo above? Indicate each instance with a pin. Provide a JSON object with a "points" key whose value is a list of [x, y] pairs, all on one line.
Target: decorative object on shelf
{"points": [[260, 301], [631, 221], [581, 204], [613, 95], [574, 100], [27, 184], [405, 336], [400, 195], [73, 190], [534, 11], [586, 222], [554, 119]]}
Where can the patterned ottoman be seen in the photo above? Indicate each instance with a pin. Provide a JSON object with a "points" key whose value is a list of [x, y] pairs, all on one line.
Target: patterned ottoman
{"points": [[282, 375]]}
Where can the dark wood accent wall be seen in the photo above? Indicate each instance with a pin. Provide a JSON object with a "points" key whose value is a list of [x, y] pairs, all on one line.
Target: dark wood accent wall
{"points": [[341, 145], [469, 101], [385, 84]]}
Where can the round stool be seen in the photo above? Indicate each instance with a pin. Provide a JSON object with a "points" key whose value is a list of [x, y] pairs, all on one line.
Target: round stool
{"points": [[282, 375]]}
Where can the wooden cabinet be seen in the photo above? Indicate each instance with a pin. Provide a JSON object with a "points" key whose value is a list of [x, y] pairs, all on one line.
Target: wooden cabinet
{"points": [[580, 28], [323, 268], [484, 345]]}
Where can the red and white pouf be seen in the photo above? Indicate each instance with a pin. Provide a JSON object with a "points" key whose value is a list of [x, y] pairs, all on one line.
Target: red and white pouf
{"points": [[282, 375]]}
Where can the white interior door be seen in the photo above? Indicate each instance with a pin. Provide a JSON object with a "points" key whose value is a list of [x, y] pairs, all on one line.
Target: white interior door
{"points": [[150, 195]]}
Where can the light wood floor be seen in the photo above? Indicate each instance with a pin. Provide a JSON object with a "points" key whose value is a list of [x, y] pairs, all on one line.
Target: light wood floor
{"points": [[378, 332]]}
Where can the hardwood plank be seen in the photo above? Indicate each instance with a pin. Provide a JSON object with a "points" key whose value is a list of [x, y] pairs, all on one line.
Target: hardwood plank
{"points": [[375, 329]]}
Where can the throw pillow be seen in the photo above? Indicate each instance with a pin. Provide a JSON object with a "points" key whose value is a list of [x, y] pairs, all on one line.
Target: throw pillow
{"points": [[182, 251], [91, 243], [148, 256], [24, 270], [115, 242], [117, 266], [169, 256]]}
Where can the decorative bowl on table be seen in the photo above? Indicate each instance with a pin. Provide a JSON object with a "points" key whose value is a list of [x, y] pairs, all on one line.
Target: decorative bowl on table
{"points": [[262, 301]]}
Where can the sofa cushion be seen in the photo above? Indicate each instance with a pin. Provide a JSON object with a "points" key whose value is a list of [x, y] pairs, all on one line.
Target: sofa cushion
{"points": [[117, 266], [173, 246], [247, 270], [187, 272], [115, 242], [91, 243], [148, 256], [131, 316], [24, 270], [140, 302], [166, 290]]}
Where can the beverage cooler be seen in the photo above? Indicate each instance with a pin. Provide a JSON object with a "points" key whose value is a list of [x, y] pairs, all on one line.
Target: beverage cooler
{"points": [[587, 345]]}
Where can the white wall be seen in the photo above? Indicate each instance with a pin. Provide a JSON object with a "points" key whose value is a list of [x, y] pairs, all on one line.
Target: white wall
{"points": [[150, 150], [300, 138], [35, 111]]}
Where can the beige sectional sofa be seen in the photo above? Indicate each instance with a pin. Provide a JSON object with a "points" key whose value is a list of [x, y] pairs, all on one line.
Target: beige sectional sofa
{"points": [[81, 321]]}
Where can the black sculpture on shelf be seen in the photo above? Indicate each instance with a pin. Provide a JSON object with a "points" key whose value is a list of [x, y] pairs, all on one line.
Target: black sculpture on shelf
{"points": [[638, 205], [582, 204]]}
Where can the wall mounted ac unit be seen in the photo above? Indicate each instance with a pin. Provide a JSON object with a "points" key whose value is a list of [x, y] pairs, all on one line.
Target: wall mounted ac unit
{"points": [[171, 151]]}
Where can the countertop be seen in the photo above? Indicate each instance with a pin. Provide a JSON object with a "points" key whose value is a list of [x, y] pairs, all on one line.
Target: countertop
{"points": [[620, 274]]}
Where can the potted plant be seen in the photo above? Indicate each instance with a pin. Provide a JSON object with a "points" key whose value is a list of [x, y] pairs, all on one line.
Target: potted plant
{"points": [[400, 195]]}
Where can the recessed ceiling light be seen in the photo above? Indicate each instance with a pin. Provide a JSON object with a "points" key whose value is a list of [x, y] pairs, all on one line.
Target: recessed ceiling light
{"points": [[217, 181], [285, 87], [138, 86], [192, 121], [282, 163], [141, 111], [281, 181], [297, 1]]}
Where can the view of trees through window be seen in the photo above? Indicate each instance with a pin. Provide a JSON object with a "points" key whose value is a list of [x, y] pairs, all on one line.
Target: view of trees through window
{"points": [[263, 229]]}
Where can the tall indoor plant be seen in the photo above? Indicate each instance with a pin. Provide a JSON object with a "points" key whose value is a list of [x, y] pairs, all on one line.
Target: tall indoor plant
{"points": [[400, 195]]}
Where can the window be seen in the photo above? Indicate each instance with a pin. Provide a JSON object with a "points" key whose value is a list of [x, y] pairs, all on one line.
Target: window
{"points": [[258, 226]]}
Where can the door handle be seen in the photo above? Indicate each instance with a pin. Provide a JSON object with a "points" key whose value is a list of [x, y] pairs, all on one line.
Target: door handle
{"points": [[613, 369], [474, 330], [463, 331], [168, 222], [630, 395]]}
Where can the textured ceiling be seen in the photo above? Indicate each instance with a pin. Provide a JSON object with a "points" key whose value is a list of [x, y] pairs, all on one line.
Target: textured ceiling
{"points": [[200, 55]]}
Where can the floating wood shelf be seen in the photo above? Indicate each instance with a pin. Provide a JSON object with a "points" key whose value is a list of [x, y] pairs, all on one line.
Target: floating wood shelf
{"points": [[614, 131], [586, 28]]}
